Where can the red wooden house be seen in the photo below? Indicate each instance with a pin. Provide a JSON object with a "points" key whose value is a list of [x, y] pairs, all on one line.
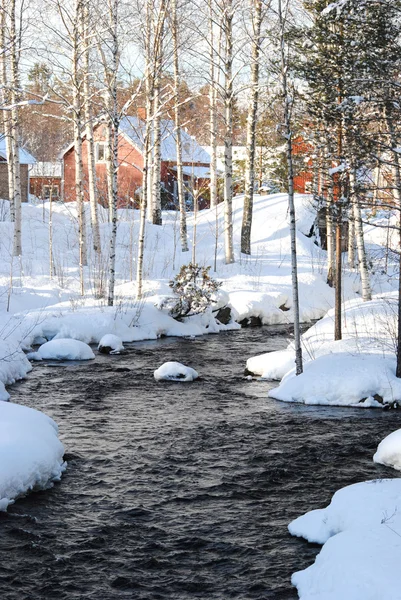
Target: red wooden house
{"points": [[45, 180], [303, 151], [195, 159]]}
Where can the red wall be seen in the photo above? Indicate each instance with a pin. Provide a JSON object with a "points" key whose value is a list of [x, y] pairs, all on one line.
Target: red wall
{"points": [[129, 176]]}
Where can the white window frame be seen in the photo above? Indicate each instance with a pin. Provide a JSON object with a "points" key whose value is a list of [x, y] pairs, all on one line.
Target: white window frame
{"points": [[98, 146]]}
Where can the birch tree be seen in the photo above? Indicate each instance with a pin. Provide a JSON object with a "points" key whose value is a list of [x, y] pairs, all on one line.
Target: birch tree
{"points": [[177, 119], [283, 10], [256, 6], [92, 188], [227, 25]]}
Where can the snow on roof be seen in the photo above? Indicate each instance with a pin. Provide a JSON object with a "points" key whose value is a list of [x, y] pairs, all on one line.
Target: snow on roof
{"points": [[134, 129], [46, 169], [24, 157]]}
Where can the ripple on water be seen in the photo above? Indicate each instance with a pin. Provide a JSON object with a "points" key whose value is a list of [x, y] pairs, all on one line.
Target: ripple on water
{"points": [[179, 491]]}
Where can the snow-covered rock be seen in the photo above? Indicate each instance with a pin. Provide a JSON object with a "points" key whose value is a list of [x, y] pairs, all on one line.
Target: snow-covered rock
{"points": [[31, 455], [389, 451], [110, 344], [65, 349], [175, 371], [366, 380], [361, 533]]}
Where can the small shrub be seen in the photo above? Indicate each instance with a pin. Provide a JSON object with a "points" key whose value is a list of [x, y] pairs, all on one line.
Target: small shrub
{"points": [[193, 288]]}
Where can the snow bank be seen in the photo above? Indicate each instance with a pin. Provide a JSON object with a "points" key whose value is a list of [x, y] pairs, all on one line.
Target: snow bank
{"points": [[175, 371], [13, 365], [31, 455], [357, 370], [110, 344], [389, 451], [361, 533], [343, 380], [65, 349]]}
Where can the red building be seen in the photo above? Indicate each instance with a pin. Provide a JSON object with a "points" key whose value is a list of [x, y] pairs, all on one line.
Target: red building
{"points": [[196, 162], [45, 180], [303, 152]]}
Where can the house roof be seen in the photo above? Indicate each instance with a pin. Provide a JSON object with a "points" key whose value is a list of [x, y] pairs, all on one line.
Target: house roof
{"points": [[24, 157], [46, 169], [133, 129], [192, 152]]}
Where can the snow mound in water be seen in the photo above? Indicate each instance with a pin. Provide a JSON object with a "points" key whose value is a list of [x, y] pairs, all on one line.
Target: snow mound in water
{"points": [[31, 455], [360, 530], [65, 349], [367, 381], [389, 451], [110, 344], [272, 365], [175, 371]]}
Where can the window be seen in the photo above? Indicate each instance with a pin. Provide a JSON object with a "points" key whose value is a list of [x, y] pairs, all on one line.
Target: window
{"points": [[100, 152], [50, 189]]}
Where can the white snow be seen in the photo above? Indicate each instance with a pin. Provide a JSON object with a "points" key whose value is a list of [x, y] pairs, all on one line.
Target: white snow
{"points": [[344, 372], [175, 371], [65, 349], [361, 533], [31, 455], [111, 341], [389, 451], [342, 380]]}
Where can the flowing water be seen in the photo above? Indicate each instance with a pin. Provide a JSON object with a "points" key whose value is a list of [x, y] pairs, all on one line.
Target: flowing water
{"points": [[179, 491]]}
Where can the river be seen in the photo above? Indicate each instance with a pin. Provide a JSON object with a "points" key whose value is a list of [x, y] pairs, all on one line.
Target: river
{"points": [[179, 491]]}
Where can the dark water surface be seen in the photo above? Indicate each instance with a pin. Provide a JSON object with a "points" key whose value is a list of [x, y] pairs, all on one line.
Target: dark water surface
{"points": [[179, 491]]}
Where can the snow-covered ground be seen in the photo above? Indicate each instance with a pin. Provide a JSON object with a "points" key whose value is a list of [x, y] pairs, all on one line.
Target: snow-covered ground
{"points": [[361, 533]]}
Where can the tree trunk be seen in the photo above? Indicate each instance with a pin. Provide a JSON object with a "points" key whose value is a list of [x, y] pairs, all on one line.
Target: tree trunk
{"points": [[177, 118], [228, 135], [93, 199], [213, 113], [330, 231], [15, 131], [360, 242], [112, 143], [5, 100], [288, 136], [251, 131], [77, 119]]}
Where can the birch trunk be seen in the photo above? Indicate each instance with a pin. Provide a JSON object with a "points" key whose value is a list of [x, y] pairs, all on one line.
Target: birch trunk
{"points": [[92, 190], [351, 233], [77, 118], [177, 118], [228, 135], [15, 130], [251, 131], [112, 143], [360, 242], [288, 135], [213, 113], [51, 264], [156, 166], [142, 218], [330, 231], [5, 100]]}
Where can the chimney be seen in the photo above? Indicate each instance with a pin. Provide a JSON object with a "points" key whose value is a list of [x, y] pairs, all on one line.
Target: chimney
{"points": [[141, 112]]}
